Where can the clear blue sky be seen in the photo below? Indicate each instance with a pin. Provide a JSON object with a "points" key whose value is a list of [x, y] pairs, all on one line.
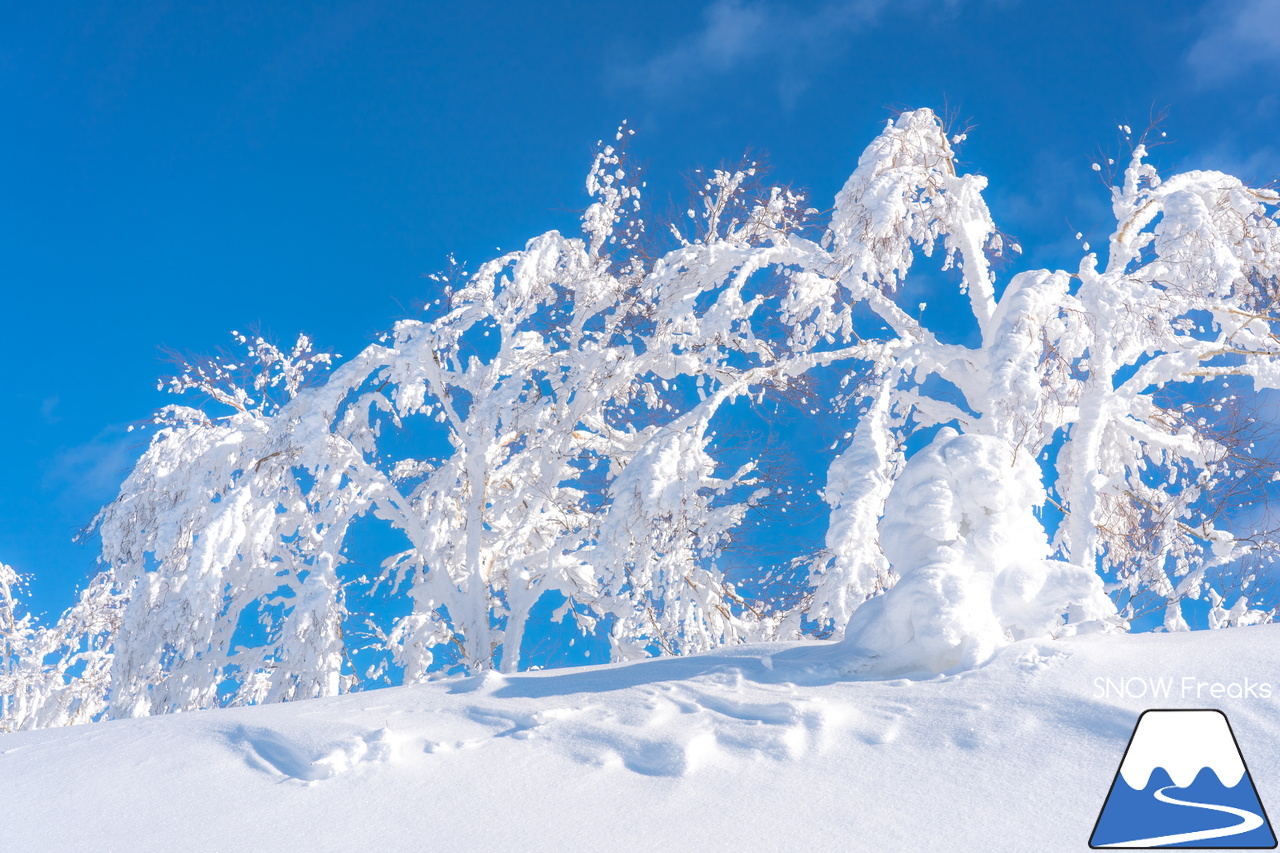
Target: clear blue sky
{"points": [[172, 171]]}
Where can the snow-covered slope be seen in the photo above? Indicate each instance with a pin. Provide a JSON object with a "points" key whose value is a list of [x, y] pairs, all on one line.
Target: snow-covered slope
{"points": [[756, 748]]}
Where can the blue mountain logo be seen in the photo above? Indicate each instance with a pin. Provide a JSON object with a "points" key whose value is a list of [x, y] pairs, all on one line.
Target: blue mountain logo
{"points": [[1183, 783]]}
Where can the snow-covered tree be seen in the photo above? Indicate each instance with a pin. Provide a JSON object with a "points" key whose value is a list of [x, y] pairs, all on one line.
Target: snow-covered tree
{"points": [[958, 538], [955, 529], [1188, 295], [1178, 335], [56, 675], [15, 640], [554, 436], [576, 386]]}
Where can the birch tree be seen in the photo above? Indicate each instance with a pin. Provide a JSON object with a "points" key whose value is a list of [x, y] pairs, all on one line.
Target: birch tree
{"points": [[568, 404]]}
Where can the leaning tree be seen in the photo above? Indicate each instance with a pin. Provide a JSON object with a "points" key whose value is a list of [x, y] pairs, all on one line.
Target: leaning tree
{"points": [[561, 443]]}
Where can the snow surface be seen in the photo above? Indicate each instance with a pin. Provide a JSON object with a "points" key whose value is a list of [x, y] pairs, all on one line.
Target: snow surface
{"points": [[759, 747]]}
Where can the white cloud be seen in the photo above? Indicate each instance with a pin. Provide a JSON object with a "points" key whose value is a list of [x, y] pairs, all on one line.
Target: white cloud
{"points": [[1241, 37], [737, 33], [48, 409], [93, 471], [1257, 165]]}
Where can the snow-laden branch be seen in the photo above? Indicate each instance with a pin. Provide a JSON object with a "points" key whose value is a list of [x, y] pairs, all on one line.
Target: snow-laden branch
{"points": [[556, 437]]}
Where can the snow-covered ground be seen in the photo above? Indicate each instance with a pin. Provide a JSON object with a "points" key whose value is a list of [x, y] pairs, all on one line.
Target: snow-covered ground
{"points": [[754, 748]]}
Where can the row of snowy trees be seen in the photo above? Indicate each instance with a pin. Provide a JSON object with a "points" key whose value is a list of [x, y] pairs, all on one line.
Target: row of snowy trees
{"points": [[552, 437]]}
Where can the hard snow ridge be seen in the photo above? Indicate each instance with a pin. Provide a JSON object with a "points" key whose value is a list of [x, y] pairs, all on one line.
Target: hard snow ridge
{"points": [[272, 751], [664, 728], [662, 718], [655, 718]]}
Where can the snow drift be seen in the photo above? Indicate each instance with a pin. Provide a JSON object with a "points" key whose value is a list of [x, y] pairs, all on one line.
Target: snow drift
{"points": [[758, 748]]}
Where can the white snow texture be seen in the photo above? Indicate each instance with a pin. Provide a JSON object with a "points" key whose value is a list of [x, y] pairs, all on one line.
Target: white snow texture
{"points": [[960, 528]]}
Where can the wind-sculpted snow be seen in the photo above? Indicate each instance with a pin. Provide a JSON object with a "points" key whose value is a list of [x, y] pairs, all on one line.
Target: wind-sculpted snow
{"points": [[759, 748], [666, 727], [274, 752]]}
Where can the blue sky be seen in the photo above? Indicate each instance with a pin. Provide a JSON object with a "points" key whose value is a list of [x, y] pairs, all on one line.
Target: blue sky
{"points": [[170, 172]]}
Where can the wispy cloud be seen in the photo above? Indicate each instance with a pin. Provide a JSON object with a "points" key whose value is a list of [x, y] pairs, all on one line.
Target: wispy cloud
{"points": [[329, 32], [1240, 38], [93, 471], [1256, 165], [735, 34], [49, 409]]}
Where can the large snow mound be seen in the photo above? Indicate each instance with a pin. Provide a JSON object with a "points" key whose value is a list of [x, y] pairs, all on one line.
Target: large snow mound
{"points": [[960, 528], [763, 748]]}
